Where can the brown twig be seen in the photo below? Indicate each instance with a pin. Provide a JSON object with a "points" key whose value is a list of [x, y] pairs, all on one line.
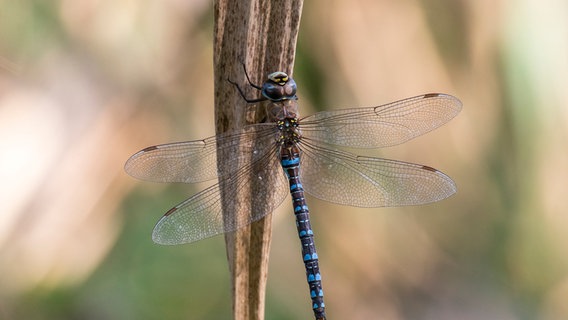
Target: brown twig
{"points": [[261, 34]]}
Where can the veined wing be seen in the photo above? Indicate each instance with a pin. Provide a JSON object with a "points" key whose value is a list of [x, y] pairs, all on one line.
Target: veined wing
{"points": [[381, 126], [201, 216], [195, 161], [344, 178]]}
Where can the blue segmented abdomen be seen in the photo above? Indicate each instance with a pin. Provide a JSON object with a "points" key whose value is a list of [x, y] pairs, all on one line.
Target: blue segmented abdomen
{"points": [[291, 166]]}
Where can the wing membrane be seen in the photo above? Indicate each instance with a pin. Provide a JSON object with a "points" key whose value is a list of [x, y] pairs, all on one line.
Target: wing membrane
{"points": [[347, 179], [201, 216], [195, 161], [382, 126]]}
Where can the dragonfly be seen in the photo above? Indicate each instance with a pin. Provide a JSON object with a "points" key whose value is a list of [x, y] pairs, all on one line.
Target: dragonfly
{"points": [[294, 155]]}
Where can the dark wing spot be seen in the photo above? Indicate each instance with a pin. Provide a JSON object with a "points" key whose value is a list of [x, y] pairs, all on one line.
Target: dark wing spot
{"points": [[429, 168], [148, 149], [431, 95], [172, 210]]}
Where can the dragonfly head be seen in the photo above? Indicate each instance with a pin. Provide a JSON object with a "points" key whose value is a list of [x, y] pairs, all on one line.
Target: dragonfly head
{"points": [[278, 87]]}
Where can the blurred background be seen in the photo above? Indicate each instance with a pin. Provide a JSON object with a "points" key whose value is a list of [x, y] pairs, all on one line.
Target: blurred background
{"points": [[85, 84]]}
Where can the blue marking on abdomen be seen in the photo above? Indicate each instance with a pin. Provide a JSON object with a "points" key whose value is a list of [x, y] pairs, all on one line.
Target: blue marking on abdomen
{"points": [[312, 278], [290, 162], [296, 186]]}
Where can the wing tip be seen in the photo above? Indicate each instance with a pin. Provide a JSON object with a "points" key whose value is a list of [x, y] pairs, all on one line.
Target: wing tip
{"points": [[160, 230], [457, 102], [131, 163]]}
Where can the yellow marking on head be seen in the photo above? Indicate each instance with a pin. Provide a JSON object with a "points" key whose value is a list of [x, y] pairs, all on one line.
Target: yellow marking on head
{"points": [[278, 77]]}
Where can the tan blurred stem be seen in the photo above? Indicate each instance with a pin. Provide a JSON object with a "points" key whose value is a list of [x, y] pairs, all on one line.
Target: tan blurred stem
{"points": [[262, 35]]}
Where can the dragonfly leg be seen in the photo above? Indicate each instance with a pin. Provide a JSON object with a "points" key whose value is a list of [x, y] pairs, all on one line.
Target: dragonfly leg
{"points": [[243, 94], [256, 86]]}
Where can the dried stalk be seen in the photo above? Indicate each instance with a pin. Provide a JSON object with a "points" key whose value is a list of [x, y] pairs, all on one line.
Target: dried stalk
{"points": [[262, 35]]}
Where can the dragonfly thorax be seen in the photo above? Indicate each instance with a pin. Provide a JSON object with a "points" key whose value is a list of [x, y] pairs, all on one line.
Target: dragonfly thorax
{"points": [[290, 133], [281, 110]]}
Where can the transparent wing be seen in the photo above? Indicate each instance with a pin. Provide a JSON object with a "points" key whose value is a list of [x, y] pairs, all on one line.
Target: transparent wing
{"points": [[201, 216], [381, 126], [347, 179], [195, 161]]}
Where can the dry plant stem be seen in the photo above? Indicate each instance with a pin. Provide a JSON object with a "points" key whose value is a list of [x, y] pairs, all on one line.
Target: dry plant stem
{"points": [[262, 35]]}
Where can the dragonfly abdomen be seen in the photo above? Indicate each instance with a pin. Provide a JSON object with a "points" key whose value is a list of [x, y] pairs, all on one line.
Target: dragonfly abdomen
{"points": [[290, 161]]}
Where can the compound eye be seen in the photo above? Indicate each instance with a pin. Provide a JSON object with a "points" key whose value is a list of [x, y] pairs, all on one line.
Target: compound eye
{"points": [[290, 89], [272, 91]]}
